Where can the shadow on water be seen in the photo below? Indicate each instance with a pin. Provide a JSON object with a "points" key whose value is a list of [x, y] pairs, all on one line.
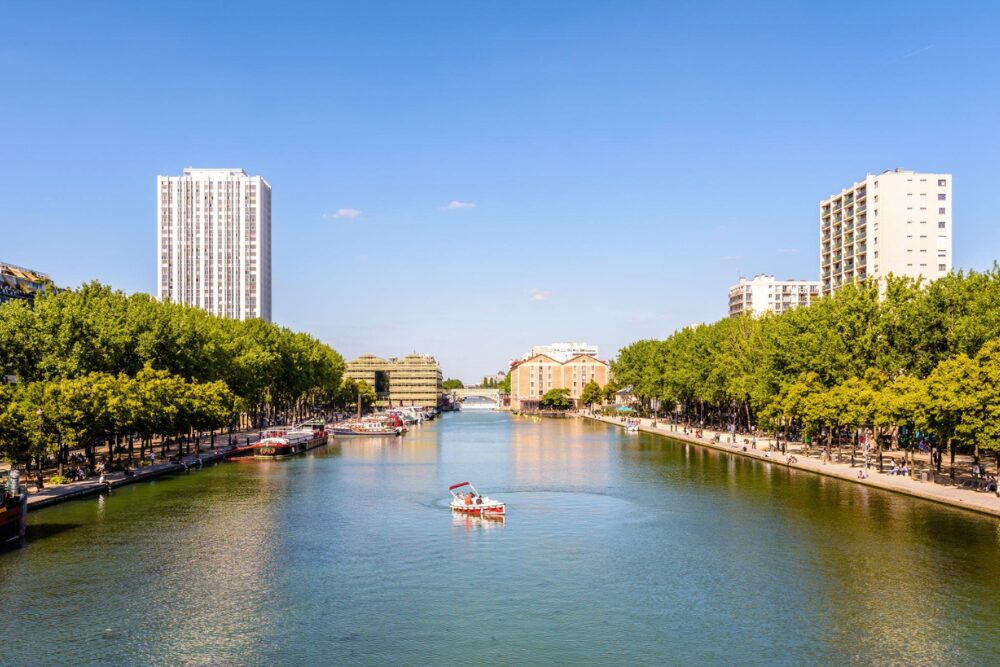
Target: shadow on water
{"points": [[43, 531]]}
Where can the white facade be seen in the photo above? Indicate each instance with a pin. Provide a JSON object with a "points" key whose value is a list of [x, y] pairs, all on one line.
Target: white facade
{"points": [[213, 242], [766, 294], [561, 352], [897, 222]]}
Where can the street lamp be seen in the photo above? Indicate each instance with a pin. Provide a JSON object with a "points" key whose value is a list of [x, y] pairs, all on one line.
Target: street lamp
{"points": [[39, 482]]}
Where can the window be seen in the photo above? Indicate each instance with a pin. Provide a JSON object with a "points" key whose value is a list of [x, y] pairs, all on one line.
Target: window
{"points": [[942, 182], [942, 196], [942, 267], [941, 224]]}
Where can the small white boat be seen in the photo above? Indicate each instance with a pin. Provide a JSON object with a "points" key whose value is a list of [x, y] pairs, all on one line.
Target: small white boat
{"points": [[475, 504]]}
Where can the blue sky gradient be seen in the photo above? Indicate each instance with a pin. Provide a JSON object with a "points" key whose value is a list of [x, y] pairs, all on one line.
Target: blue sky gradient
{"points": [[627, 160]]}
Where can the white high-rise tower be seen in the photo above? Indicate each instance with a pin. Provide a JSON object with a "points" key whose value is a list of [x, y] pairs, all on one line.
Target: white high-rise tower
{"points": [[898, 222], [213, 242]]}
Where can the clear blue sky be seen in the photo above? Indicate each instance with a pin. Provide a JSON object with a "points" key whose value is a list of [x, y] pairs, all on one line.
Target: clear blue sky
{"points": [[627, 160]]}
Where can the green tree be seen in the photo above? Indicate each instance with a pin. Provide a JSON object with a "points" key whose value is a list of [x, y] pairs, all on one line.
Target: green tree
{"points": [[591, 394], [557, 398], [452, 383]]}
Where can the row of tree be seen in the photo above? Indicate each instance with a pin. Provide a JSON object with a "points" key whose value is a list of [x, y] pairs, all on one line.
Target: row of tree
{"points": [[901, 360], [96, 364]]}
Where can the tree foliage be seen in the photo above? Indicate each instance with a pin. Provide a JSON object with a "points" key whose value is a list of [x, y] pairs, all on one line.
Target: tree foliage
{"points": [[890, 356], [557, 398], [94, 363]]}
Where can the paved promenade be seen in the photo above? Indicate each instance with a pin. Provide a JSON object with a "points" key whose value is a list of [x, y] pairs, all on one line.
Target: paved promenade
{"points": [[53, 494], [57, 493], [985, 502]]}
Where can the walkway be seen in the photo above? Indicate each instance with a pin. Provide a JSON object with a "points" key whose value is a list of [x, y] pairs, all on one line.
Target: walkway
{"points": [[58, 493], [984, 502]]}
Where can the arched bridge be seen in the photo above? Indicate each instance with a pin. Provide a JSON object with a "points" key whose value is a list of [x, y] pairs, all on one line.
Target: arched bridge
{"points": [[487, 397]]}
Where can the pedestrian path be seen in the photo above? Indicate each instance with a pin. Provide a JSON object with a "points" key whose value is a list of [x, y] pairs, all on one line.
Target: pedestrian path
{"points": [[985, 502], [53, 494]]}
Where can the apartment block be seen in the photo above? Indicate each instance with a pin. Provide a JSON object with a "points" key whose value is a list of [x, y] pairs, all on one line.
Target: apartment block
{"points": [[213, 242], [766, 294], [531, 378], [20, 284], [898, 222]]}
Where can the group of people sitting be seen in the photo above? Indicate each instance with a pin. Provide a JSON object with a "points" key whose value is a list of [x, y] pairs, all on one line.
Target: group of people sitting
{"points": [[473, 499], [898, 470]]}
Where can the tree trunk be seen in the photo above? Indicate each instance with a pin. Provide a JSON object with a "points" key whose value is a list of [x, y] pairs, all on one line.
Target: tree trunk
{"points": [[951, 450]]}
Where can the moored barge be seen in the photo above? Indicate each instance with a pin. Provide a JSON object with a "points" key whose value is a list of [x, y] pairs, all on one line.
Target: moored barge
{"points": [[13, 511]]}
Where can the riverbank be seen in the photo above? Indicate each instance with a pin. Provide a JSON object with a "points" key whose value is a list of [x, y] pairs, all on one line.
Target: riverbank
{"points": [[54, 494], [983, 502]]}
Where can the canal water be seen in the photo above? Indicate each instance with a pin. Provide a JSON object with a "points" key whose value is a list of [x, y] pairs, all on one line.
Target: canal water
{"points": [[618, 549]]}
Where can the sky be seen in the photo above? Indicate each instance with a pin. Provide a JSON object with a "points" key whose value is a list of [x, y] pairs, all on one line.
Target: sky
{"points": [[468, 179]]}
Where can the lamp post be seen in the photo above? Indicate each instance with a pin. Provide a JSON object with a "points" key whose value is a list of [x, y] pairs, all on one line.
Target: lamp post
{"points": [[39, 482]]}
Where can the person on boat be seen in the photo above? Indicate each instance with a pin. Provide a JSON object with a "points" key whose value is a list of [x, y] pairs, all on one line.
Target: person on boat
{"points": [[468, 499]]}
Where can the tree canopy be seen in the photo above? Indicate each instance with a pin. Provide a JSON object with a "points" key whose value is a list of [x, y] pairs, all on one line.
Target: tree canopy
{"points": [[93, 363], [899, 354]]}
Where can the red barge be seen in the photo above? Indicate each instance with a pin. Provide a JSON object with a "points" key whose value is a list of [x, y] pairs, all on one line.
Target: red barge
{"points": [[283, 443]]}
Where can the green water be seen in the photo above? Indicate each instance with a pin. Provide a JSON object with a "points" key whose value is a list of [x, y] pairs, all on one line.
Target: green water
{"points": [[618, 549]]}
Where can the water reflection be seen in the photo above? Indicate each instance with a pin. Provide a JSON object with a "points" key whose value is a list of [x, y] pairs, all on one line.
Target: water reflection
{"points": [[619, 550], [564, 453], [476, 523]]}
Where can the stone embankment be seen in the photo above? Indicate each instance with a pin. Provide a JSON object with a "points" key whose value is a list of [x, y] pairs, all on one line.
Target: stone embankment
{"points": [[978, 501]]}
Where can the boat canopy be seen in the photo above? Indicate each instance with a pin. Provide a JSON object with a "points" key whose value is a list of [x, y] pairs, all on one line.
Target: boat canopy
{"points": [[456, 486]]}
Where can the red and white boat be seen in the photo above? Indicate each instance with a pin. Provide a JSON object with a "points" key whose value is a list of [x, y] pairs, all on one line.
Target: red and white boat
{"points": [[471, 502]]}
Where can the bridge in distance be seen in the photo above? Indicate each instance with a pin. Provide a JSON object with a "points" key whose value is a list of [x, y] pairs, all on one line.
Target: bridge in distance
{"points": [[485, 398]]}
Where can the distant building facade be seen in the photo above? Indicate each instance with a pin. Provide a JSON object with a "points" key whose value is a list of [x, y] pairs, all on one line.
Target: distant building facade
{"points": [[20, 284], [561, 351], [531, 378], [766, 294], [213, 242], [415, 379], [898, 222]]}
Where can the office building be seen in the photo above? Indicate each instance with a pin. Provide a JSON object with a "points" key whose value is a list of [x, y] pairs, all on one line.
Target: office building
{"points": [[415, 379], [213, 242], [898, 222], [766, 294]]}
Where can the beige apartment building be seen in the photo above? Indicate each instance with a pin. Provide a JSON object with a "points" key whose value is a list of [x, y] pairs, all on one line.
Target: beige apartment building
{"points": [[897, 222], [415, 379], [530, 378], [766, 294]]}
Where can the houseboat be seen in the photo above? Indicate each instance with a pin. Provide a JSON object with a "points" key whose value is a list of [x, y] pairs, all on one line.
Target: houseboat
{"points": [[282, 443], [13, 511], [389, 425]]}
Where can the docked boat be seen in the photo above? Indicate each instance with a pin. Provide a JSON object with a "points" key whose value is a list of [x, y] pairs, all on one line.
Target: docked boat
{"points": [[283, 444], [13, 511], [471, 502], [390, 425]]}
